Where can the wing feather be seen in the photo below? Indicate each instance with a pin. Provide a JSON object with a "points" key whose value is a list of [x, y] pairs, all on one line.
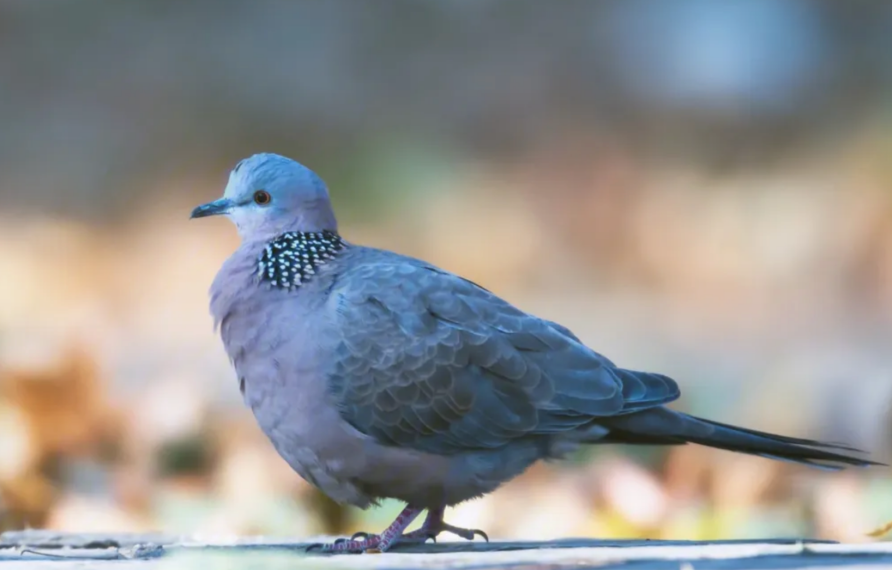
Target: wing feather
{"points": [[429, 360]]}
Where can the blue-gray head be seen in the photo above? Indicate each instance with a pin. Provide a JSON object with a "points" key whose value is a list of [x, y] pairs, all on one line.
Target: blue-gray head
{"points": [[269, 194]]}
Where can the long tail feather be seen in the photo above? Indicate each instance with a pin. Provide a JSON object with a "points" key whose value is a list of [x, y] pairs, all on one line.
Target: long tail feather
{"points": [[662, 425]]}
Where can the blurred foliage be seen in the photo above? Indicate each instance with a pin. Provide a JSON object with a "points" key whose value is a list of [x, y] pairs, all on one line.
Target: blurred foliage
{"points": [[693, 187]]}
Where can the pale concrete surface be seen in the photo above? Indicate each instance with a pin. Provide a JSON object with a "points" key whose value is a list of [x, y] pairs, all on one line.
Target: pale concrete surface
{"points": [[32, 550]]}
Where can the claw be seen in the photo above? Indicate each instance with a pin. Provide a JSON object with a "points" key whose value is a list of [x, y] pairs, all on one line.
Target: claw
{"points": [[360, 534]]}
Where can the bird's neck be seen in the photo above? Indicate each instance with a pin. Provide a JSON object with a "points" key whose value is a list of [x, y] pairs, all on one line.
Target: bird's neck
{"points": [[291, 259]]}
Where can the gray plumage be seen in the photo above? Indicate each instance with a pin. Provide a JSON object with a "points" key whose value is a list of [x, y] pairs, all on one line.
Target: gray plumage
{"points": [[379, 375]]}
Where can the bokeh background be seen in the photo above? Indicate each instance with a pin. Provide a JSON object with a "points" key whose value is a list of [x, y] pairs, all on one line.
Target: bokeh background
{"points": [[696, 187]]}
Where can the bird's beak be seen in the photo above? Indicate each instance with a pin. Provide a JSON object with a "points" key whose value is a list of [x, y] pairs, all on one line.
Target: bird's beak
{"points": [[215, 208]]}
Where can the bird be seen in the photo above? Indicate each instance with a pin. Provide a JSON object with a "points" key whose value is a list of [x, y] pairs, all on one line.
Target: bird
{"points": [[377, 375]]}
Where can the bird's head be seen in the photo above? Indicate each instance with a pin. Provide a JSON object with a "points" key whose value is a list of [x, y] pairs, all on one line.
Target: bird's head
{"points": [[268, 195]]}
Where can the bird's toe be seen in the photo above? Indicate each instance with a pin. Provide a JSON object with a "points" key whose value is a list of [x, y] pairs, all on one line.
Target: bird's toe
{"points": [[465, 533]]}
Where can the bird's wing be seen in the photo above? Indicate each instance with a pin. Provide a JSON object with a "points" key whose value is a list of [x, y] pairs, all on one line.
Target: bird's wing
{"points": [[428, 360]]}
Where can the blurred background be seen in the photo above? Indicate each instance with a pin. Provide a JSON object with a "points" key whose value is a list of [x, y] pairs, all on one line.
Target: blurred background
{"points": [[696, 187]]}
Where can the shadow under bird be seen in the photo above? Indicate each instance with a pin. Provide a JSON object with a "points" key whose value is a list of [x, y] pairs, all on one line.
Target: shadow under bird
{"points": [[376, 375]]}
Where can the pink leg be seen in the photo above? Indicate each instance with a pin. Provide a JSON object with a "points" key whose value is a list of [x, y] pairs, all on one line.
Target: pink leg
{"points": [[434, 525], [381, 542]]}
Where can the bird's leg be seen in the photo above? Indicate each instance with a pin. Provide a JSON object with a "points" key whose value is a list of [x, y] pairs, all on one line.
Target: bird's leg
{"points": [[434, 525], [373, 542]]}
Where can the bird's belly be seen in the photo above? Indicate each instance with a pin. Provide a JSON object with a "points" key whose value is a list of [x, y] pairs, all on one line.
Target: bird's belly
{"points": [[307, 437]]}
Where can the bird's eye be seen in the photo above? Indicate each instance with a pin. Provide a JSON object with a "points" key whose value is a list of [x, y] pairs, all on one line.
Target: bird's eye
{"points": [[262, 197]]}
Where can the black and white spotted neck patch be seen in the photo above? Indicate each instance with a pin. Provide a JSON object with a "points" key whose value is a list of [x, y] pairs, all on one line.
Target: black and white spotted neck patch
{"points": [[292, 259]]}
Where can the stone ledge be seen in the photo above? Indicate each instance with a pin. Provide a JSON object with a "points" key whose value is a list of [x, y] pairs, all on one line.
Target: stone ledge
{"points": [[44, 549]]}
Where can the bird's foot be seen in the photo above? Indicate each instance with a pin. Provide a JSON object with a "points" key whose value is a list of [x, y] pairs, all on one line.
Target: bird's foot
{"points": [[371, 542], [419, 536], [465, 533], [434, 530]]}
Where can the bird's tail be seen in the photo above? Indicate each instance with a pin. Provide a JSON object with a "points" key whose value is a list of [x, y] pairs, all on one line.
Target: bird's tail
{"points": [[664, 426]]}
